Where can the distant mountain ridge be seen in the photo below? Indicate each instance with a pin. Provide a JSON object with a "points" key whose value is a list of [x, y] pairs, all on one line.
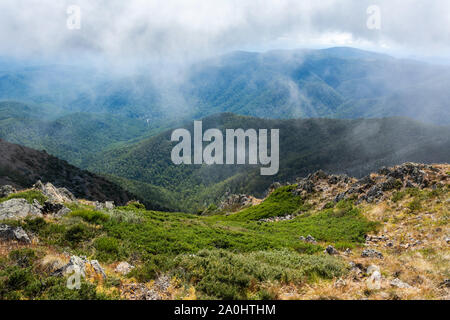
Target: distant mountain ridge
{"points": [[331, 83]]}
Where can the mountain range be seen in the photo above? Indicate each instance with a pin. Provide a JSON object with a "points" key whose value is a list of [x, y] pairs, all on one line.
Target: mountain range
{"points": [[341, 109]]}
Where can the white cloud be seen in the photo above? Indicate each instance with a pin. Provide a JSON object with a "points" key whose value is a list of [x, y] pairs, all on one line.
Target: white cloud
{"points": [[131, 29]]}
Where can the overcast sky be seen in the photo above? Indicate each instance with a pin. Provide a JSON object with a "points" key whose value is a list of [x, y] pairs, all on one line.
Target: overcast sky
{"points": [[143, 29]]}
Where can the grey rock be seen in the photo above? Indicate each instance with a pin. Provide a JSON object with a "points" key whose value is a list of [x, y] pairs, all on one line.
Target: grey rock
{"points": [[64, 211], [372, 268], [55, 195], [389, 184], [109, 205], [98, 268], [374, 281], [309, 239], [400, 284], [6, 191], [331, 250], [340, 283], [8, 233], [370, 253], [76, 264], [18, 209]]}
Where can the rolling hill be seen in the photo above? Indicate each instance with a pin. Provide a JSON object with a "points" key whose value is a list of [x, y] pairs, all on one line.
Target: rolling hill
{"points": [[355, 147], [22, 167]]}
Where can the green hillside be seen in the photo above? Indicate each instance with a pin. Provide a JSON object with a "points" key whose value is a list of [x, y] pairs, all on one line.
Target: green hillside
{"points": [[339, 146]]}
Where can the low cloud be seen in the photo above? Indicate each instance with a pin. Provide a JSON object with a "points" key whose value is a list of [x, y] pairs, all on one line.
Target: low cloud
{"points": [[120, 30]]}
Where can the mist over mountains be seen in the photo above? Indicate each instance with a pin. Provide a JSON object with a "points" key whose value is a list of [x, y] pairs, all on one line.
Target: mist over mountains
{"points": [[114, 123], [336, 82]]}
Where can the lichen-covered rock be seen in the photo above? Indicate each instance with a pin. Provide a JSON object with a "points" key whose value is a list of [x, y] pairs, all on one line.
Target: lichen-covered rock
{"points": [[55, 195], [8, 233], [6, 191], [79, 265], [400, 284], [16, 209]]}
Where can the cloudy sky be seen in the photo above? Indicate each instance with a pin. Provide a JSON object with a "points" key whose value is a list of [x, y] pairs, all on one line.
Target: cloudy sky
{"points": [[143, 29]]}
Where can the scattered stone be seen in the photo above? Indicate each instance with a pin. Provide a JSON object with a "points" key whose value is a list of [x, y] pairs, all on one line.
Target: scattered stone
{"points": [[18, 209], [162, 283], [278, 219], [370, 253], [340, 283], [374, 281], [7, 190], [331, 250], [372, 268], [124, 268], [8, 233], [400, 284]]}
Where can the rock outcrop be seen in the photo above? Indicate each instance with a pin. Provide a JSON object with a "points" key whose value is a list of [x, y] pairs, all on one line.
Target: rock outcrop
{"points": [[55, 195], [6, 191], [16, 209], [9, 233], [80, 265]]}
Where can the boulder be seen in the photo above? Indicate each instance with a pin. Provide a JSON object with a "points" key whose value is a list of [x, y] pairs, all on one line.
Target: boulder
{"points": [[8, 233], [64, 211], [78, 265], [374, 281], [371, 269], [109, 205], [18, 209], [331, 250], [6, 191], [55, 209]]}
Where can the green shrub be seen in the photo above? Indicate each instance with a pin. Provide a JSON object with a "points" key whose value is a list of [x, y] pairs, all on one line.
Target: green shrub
{"points": [[108, 249], [280, 203], [133, 205], [77, 233], [35, 225], [398, 196], [90, 216], [227, 275], [415, 205]]}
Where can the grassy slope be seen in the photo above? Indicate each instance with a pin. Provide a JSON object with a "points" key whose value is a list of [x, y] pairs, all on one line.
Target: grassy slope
{"points": [[218, 256]]}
